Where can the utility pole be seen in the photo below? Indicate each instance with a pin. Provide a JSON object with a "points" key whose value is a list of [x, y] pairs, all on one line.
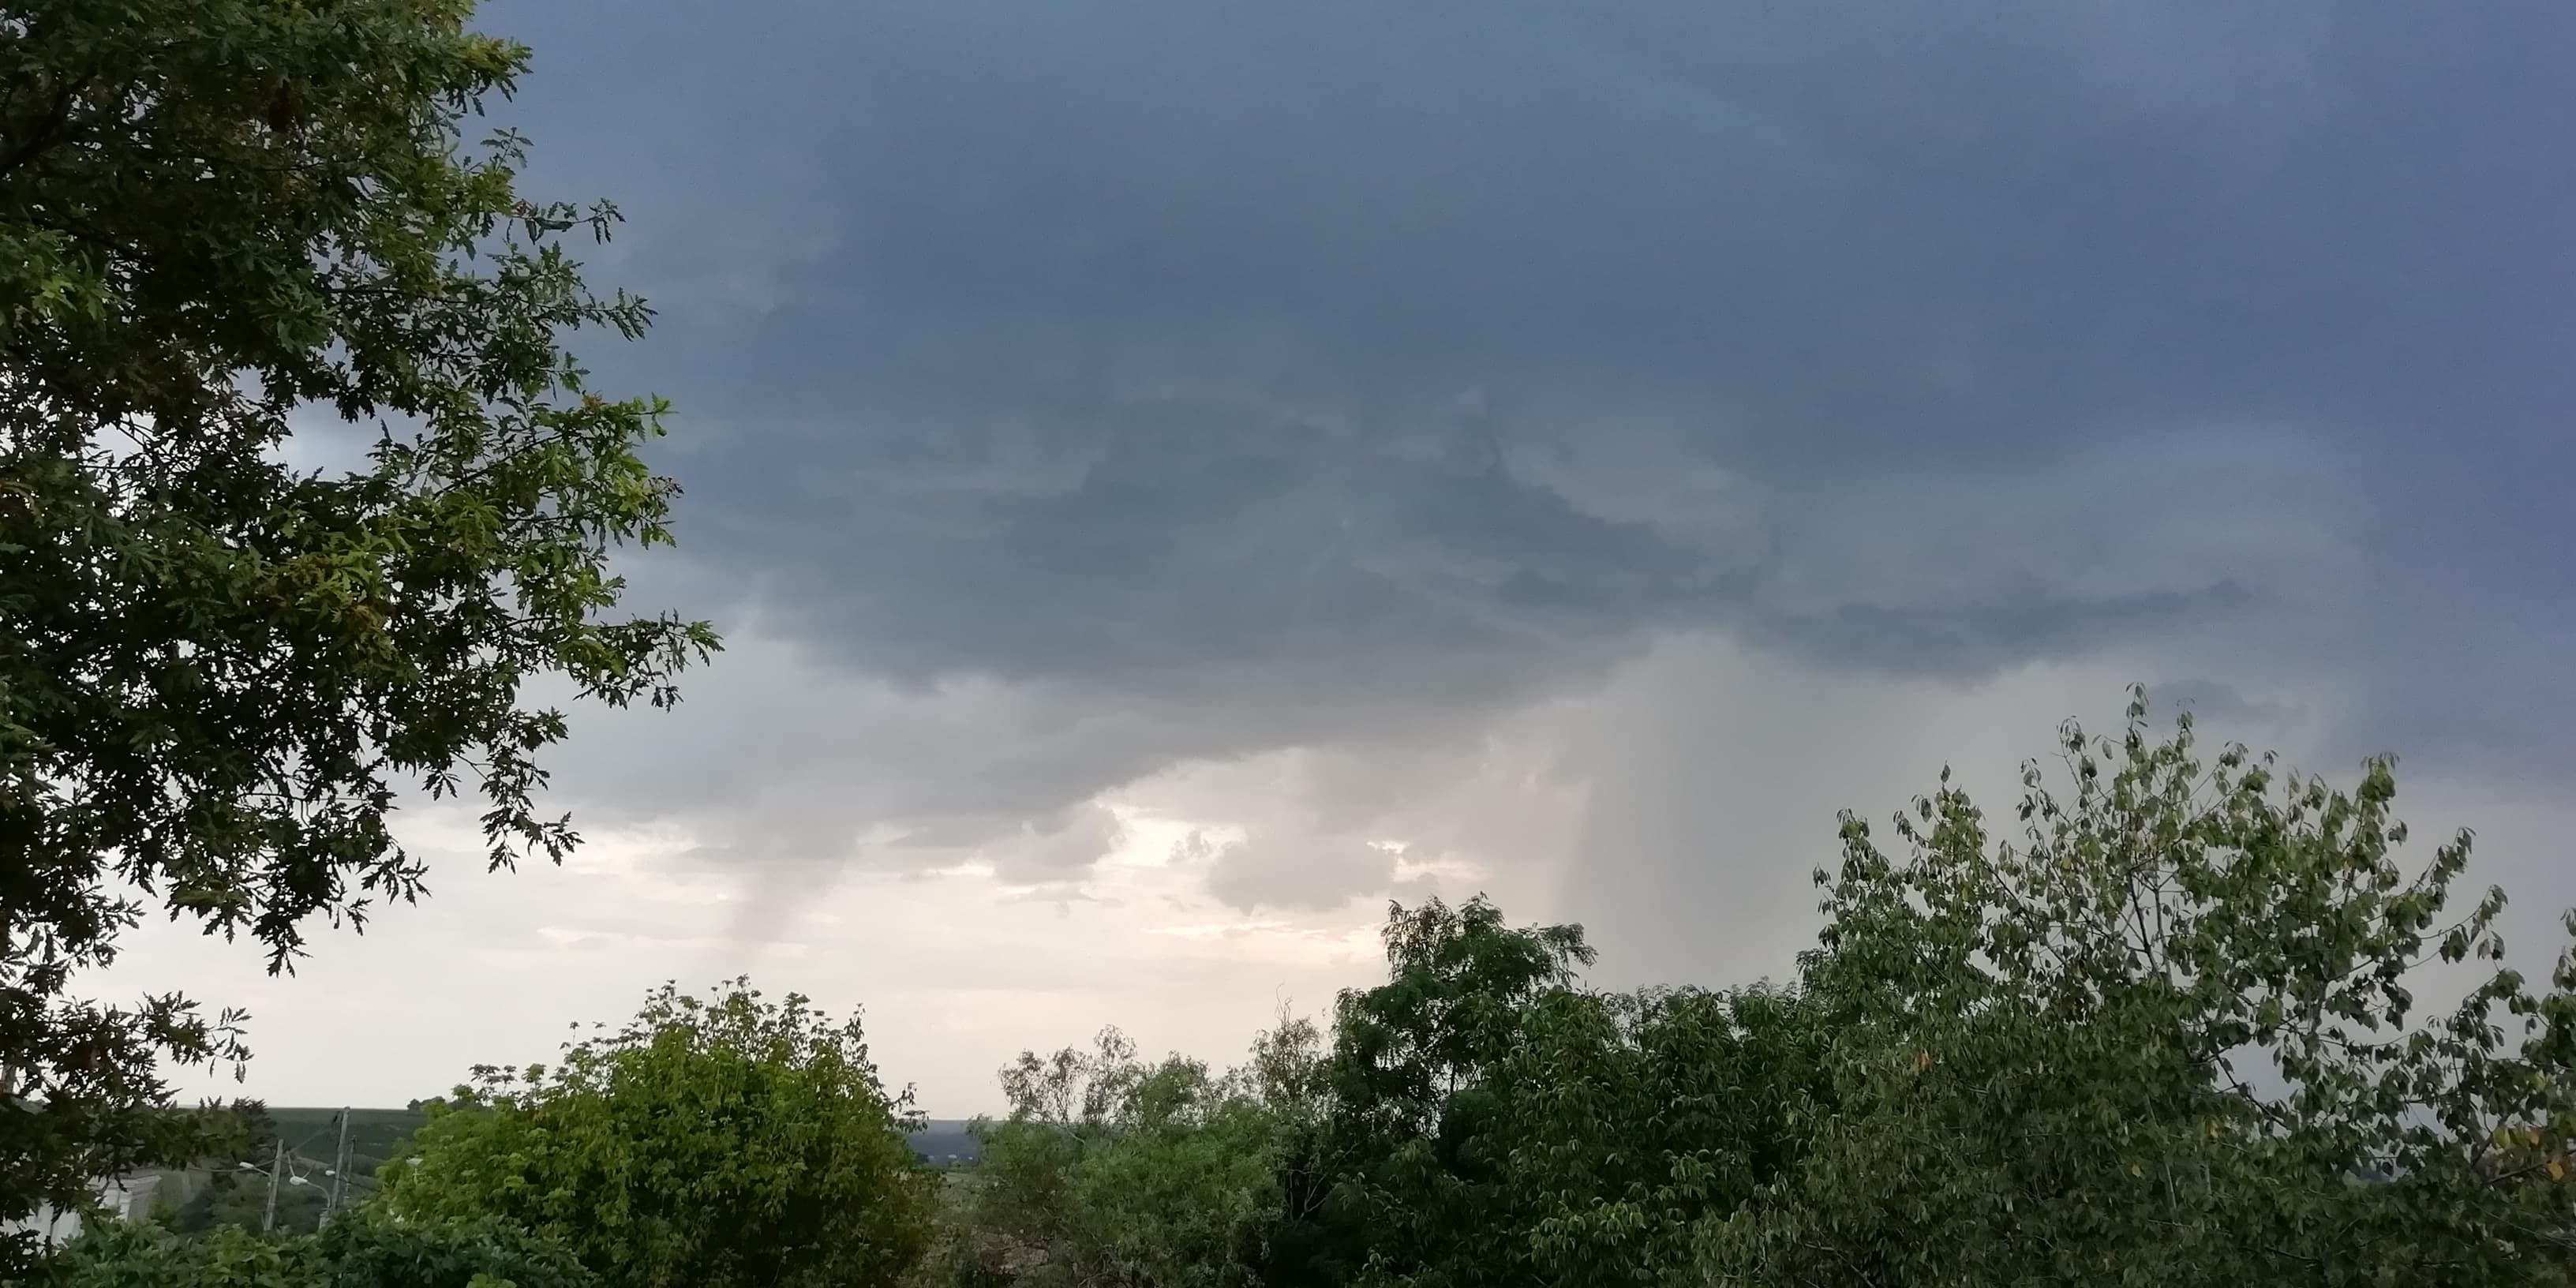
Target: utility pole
{"points": [[339, 1168], [276, 1173]]}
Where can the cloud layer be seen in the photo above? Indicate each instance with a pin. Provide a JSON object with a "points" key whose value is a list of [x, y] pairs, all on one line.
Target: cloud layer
{"points": [[1564, 449], [1159, 382]]}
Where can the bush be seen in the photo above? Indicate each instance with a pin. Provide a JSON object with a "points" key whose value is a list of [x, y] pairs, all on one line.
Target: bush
{"points": [[363, 1248]]}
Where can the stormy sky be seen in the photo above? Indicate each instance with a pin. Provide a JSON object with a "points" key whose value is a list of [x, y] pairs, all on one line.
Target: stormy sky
{"points": [[1175, 476]]}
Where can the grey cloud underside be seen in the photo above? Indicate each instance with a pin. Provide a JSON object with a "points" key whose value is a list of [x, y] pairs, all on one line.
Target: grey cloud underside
{"points": [[1317, 371], [1256, 875]]}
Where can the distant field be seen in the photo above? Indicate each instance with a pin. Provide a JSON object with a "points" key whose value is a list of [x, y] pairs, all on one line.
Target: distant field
{"points": [[374, 1135], [944, 1141]]}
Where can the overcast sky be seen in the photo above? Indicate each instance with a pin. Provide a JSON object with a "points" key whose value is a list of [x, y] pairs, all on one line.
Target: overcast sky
{"points": [[1175, 476]]}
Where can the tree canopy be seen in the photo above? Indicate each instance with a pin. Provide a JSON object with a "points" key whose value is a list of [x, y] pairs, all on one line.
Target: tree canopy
{"points": [[2163, 1031], [711, 1142], [1492, 1121], [1113, 1169], [2161, 1027], [2167, 1035], [364, 1247], [224, 223]]}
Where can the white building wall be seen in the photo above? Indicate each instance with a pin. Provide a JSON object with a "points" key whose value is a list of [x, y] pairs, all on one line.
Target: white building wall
{"points": [[125, 1197]]}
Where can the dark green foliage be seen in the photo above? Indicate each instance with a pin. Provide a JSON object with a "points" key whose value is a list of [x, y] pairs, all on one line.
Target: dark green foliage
{"points": [[238, 1199], [1479, 1119], [1114, 1170], [2166, 1038], [1458, 985], [362, 1249], [218, 217], [726, 1142], [1494, 1123]]}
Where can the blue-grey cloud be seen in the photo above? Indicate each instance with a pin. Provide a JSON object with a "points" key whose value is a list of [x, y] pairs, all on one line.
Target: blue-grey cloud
{"points": [[1325, 370]]}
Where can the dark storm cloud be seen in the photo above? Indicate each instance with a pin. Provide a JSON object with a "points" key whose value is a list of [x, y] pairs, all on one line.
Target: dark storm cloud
{"points": [[1323, 367]]}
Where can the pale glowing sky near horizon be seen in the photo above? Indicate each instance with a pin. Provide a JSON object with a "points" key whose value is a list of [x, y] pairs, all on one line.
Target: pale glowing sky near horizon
{"points": [[1567, 451]]}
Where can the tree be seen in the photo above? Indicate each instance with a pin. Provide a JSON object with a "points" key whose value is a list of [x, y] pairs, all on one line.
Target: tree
{"points": [[220, 219], [361, 1247], [1458, 981], [1494, 1123], [2168, 1038], [710, 1142], [1383, 1189], [2167, 1035], [1114, 1170]]}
